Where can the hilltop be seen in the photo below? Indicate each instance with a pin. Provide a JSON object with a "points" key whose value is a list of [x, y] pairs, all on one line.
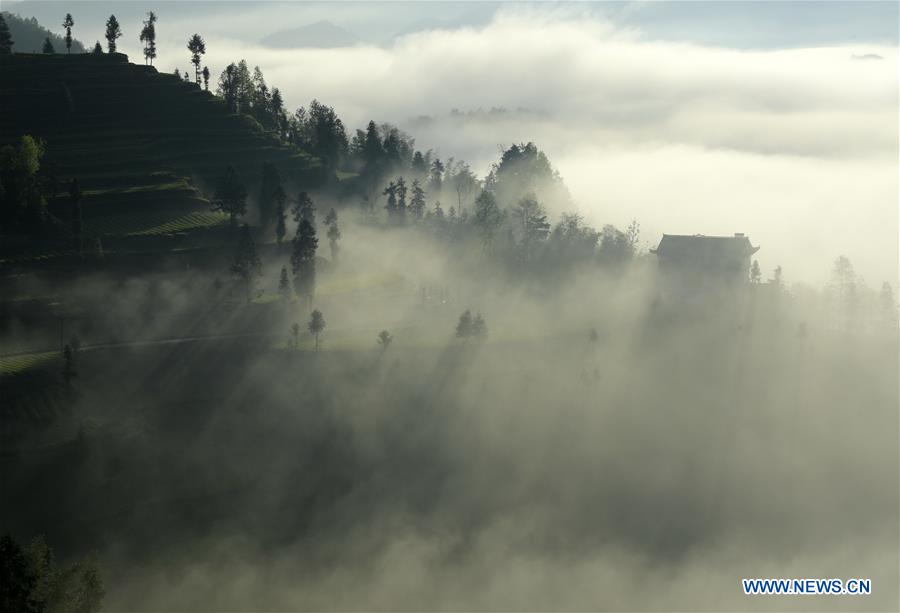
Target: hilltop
{"points": [[28, 35], [146, 147]]}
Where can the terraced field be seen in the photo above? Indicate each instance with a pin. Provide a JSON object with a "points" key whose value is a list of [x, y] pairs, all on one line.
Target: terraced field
{"points": [[153, 223]]}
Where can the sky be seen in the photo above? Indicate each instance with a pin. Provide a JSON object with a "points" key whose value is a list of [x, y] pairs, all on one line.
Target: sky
{"points": [[774, 119]]}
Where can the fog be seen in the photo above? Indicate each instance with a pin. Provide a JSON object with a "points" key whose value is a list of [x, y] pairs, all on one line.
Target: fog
{"points": [[605, 446]]}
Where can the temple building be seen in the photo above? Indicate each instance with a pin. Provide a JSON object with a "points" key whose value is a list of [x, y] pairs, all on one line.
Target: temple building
{"points": [[694, 268]]}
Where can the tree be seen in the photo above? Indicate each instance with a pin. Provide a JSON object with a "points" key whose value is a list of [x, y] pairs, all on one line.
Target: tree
{"points": [[303, 260], [284, 285], [524, 169], [148, 37], [391, 192], [304, 209], [205, 74], [385, 339], [113, 32], [777, 278], [98, 50], [755, 274], [197, 47], [48, 46], [247, 265], [77, 224], [488, 217], [437, 177], [533, 223], [633, 235], [334, 233], [230, 196], [280, 221], [68, 22], [316, 325], [464, 325], [479, 328], [6, 41], [417, 204], [888, 305], [295, 336]]}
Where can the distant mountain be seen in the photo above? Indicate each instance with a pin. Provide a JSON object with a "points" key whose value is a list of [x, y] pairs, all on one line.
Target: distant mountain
{"points": [[321, 35], [28, 36]]}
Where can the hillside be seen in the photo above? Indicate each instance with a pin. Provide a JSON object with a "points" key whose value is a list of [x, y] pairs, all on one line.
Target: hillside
{"points": [[145, 147], [28, 35]]}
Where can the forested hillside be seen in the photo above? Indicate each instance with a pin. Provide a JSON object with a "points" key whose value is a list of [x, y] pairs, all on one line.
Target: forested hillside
{"points": [[28, 35]]}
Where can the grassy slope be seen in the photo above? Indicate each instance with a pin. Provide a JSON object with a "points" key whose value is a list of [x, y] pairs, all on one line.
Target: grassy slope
{"points": [[140, 143]]}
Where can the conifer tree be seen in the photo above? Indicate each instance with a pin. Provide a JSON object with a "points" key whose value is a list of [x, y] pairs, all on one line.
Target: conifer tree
{"points": [[197, 47], [113, 32], [316, 325], [247, 265], [148, 37], [68, 22], [284, 285], [303, 260], [417, 204], [48, 46], [6, 40], [334, 233]]}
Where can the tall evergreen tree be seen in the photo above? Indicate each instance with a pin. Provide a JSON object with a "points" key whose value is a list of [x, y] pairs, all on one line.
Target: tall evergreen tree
{"points": [[401, 198], [284, 285], [68, 22], [437, 177], [417, 204], [334, 233], [304, 209], [148, 37], [197, 47], [48, 46], [247, 265], [98, 49], [280, 221], [303, 260], [6, 41], [488, 217], [231, 196], [113, 32], [316, 325], [391, 192], [205, 75]]}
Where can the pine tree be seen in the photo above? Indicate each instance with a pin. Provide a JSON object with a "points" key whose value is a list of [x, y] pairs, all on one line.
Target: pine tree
{"points": [[148, 37], [401, 198], [284, 285], [68, 22], [417, 204], [98, 49], [48, 46], [247, 265], [205, 74], [113, 32], [6, 41], [488, 217], [316, 325], [303, 260], [391, 192], [755, 274], [304, 209], [334, 233], [479, 328], [464, 326], [197, 47], [437, 176], [231, 196]]}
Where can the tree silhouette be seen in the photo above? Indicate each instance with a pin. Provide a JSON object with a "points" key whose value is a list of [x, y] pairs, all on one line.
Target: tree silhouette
{"points": [[280, 221], [437, 177], [6, 41], [479, 327], [68, 22], [113, 32], [488, 217], [197, 47], [284, 285], [231, 196], [417, 204], [148, 37], [295, 336], [303, 260], [98, 49], [464, 325], [48, 46], [334, 233], [205, 74], [385, 339], [304, 209], [401, 198], [391, 192], [247, 265], [755, 274], [316, 325]]}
